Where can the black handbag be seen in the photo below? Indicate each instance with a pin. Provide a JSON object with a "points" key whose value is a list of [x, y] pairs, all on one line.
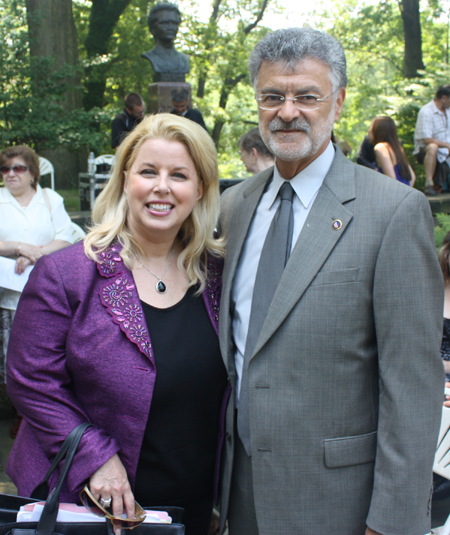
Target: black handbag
{"points": [[47, 525]]}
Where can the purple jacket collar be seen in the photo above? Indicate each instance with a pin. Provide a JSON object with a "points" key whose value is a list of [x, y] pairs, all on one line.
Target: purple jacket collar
{"points": [[120, 297]]}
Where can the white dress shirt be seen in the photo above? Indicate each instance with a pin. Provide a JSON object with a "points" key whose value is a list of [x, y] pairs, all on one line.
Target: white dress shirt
{"points": [[31, 224], [431, 122], [306, 186]]}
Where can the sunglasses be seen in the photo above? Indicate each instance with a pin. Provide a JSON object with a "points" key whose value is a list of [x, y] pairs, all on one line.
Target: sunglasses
{"points": [[93, 506], [16, 169]]}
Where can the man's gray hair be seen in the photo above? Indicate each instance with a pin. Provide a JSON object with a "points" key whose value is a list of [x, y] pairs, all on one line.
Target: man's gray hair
{"points": [[292, 45]]}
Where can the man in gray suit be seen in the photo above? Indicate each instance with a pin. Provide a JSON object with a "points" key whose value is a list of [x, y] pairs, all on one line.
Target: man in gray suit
{"points": [[337, 381]]}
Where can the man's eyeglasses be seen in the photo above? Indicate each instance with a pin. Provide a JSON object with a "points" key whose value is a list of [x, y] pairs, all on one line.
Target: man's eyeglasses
{"points": [[92, 505], [301, 102], [16, 169]]}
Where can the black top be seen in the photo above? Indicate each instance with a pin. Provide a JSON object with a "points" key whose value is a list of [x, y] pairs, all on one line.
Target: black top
{"points": [[366, 154], [122, 124], [177, 459]]}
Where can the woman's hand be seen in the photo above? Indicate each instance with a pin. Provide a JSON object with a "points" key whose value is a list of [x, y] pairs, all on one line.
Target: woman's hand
{"points": [[111, 481], [21, 264], [32, 252]]}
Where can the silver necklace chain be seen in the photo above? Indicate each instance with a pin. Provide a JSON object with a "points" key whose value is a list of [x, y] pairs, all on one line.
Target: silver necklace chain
{"points": [[161, 287]]}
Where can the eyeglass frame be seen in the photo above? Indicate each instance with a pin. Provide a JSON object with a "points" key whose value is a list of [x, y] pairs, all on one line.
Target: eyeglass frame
{"points": [[109, 516], [5, 169], [294, 100]]}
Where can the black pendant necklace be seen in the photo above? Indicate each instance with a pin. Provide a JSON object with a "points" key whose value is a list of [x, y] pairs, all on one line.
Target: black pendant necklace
{"points": [[161, 288]]}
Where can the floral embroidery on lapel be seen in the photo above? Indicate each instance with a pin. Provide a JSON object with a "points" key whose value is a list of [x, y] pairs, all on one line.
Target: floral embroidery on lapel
{"points": [[213, 289], [121, 299]]}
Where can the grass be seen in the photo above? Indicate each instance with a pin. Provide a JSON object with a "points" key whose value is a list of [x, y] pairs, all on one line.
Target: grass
{"points": [[71, 199]]}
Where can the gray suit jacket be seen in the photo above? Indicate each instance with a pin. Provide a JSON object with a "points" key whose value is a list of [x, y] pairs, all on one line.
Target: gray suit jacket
{"points": [[346, 382]]}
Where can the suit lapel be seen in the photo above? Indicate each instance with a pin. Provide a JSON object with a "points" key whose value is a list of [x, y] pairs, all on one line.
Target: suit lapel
{"points": [[244, 206], [120, 297], [315, 243]]}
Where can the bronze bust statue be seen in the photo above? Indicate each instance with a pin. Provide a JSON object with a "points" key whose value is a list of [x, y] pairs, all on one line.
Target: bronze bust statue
{"points": [[168, 64]]}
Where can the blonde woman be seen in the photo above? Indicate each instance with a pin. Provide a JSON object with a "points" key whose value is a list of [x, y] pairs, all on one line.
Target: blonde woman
{"points": [[126, 335]]}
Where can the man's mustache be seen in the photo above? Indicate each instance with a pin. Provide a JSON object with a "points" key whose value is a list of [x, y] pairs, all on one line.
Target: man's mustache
{"points": [[278, 124]]}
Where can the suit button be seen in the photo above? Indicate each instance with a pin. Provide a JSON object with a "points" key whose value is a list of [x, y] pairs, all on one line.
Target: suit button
{"points": [[228, 379], [228, 436]]}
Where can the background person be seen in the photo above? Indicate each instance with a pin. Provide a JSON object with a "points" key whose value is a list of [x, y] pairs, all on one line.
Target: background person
{"points": [[390, 156], [331, 320], [254, 153], [141, 294], [366, 155], [432, 141], [28, 230], [126, 121], [180, 107]]}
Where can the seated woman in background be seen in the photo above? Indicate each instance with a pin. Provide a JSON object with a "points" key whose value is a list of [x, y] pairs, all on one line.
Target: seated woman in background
{"points": [[125, 335], [28, 229], [389, 154]]}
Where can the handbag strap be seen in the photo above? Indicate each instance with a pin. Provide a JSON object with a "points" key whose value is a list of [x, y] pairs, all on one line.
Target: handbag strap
{"points": [[50, 512], [48, 204], [42, 490]]}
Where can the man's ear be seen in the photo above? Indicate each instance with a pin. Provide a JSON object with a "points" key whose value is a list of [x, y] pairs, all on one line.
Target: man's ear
{"points": [[339, 103]]}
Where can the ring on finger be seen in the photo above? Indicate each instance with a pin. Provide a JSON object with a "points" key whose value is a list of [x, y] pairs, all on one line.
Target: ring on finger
{"points": [[105, 502]]}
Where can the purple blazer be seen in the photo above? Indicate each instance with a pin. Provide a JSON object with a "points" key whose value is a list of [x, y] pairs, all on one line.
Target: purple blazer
{"points": [[80, 352]]}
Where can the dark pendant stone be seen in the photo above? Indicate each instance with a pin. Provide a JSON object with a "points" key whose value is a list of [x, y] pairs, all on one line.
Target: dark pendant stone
{"points": [[161, 287]]}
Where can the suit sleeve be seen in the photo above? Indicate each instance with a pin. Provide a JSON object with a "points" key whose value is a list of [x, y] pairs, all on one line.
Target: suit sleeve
{"points": [[408, 304], [39, 382]]}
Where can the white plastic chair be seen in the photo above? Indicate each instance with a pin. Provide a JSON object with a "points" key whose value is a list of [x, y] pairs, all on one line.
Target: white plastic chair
{"points": [[442, 456], [46, 168], [105, 158]]}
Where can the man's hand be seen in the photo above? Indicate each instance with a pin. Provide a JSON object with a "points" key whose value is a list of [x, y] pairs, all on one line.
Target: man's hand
{"points": [[372, 532]]}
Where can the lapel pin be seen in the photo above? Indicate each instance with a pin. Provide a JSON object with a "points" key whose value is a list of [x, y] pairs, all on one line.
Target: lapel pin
{"points": [[337, 224]]}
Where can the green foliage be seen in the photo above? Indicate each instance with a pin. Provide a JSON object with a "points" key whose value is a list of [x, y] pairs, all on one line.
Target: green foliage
{"points": [[441, 229], [372, 36], [32, 93], [218, 43], [218, 51]]}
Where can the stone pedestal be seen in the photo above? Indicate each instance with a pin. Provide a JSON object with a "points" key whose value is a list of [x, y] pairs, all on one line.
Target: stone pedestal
{"points": [[160, 96]]}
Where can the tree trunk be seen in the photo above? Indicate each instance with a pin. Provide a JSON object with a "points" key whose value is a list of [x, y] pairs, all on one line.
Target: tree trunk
{"points": [[413, 38], [53, 34], [103, 18]]}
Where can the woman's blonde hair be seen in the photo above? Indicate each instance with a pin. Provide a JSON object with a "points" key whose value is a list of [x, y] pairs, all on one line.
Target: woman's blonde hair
{"points": [[196, 235]]}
